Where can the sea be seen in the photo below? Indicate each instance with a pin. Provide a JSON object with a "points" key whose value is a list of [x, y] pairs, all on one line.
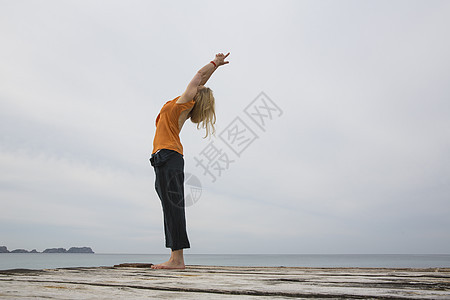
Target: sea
{"points": [[68, 260]]}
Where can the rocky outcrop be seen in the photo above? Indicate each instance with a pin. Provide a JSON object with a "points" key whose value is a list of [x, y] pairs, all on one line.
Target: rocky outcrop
{"points": [[80, 250], [55, 250], [4, 249], [20, 251]]}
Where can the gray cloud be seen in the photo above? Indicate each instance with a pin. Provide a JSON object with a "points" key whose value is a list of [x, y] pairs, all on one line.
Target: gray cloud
{"points": [[357, 163]]}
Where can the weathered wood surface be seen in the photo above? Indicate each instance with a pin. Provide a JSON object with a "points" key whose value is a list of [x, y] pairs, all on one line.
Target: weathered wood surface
{"points": [[212, 282]]}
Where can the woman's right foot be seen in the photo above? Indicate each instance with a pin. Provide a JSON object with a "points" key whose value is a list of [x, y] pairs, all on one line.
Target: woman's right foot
{"points": [[170, 264]]}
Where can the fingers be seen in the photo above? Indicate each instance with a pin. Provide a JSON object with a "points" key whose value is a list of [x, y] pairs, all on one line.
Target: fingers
{"points": [[222, 55]]}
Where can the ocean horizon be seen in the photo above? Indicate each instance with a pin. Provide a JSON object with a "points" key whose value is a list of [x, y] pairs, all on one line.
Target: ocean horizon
{"points": [[71, 260]]}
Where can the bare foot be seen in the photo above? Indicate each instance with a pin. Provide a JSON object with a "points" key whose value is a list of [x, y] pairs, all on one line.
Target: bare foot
{"points": [[170, 264]]}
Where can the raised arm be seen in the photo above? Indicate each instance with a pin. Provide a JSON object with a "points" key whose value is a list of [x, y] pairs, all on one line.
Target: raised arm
{"points": [[202, 76]]}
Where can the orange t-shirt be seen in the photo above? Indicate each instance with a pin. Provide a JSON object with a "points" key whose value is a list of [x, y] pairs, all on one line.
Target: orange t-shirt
{"points": [[167, 135]]}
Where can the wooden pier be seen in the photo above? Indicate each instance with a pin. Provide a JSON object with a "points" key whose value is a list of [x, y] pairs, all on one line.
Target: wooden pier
{"points": [[214, 282]]}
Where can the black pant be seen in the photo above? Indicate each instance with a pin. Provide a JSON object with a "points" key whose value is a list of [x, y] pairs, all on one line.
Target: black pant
{"points": [[169, 184]]}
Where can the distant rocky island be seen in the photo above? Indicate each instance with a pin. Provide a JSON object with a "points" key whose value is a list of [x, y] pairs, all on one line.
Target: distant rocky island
{"points": [[4, 249]]}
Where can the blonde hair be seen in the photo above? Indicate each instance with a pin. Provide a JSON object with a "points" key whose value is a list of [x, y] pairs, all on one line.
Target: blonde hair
{"points": [[203, 113]]}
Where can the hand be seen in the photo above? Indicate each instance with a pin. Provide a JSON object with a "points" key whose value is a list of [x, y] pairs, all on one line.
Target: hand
{"points": [[220, 59]]}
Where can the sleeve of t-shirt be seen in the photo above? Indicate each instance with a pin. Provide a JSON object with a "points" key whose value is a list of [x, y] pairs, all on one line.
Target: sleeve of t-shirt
{"points": [[179, 107], [157, 119]]}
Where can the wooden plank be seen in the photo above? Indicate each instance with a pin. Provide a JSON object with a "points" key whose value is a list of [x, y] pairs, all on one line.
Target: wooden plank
{"points": [[135, 281], [133, 265]]}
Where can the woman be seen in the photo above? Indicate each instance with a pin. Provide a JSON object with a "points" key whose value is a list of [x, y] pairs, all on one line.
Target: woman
{"points": [[196, 103]]}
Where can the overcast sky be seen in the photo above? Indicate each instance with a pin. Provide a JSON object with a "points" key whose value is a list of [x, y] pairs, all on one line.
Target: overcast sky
{"points": [[353, 157]]}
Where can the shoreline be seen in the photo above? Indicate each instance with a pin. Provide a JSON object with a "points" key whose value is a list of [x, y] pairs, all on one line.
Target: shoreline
{"points": [[226, 282]]}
